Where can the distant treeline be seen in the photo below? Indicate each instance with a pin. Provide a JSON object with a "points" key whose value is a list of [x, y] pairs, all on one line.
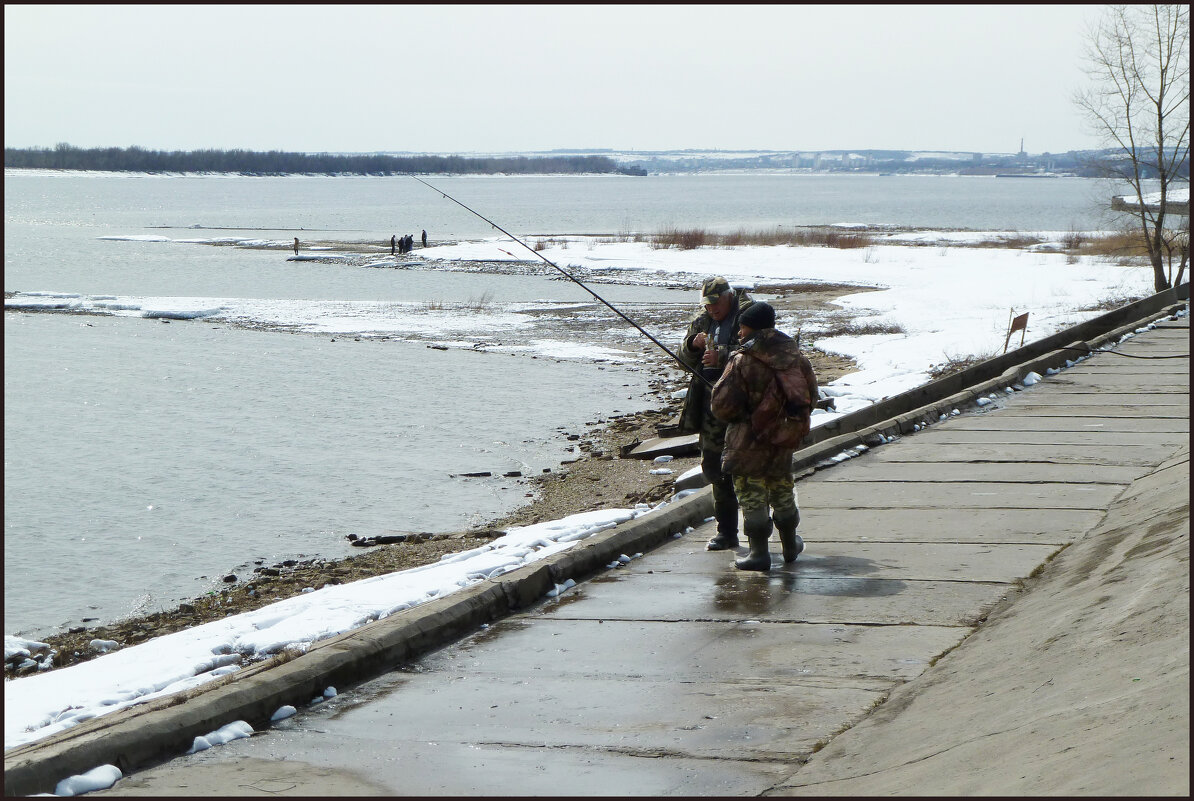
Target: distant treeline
{"points": [[276, 162]]}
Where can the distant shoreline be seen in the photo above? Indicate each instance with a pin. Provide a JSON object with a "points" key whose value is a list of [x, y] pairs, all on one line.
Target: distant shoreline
{"points": [[792, 172], [275, 162]]}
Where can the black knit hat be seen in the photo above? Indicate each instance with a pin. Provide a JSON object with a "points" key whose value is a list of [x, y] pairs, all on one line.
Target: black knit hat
{"points": [[758, 315]]}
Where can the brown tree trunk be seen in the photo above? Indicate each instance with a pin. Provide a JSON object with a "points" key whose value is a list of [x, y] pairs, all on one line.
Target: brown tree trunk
{"points": [[1160, 281]]}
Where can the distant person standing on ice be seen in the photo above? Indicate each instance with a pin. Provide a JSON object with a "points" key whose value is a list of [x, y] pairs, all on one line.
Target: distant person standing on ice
{"points": [[711, 337], [393, 244], [424, 237], [766, 397], [296, 246]]}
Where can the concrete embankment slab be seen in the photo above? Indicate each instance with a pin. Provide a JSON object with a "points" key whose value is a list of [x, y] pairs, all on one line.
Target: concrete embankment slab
{"points": [[955, 494], [465, 770], [1081, 687], [1038, 526], [747, 650], [911, 561], [937, 472], [1145, 423], [1102, 400], [1011, 435], [789, 595], [1152, 372], [1179, 412], [1091, 382], [1139, 457], [1162, 342]]}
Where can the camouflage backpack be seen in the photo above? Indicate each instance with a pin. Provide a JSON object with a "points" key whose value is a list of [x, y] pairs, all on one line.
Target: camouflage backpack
{"points": [[783, 416]]}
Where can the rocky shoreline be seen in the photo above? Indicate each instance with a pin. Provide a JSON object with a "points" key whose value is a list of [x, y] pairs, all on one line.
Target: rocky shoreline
{"points": [[598, 479]]}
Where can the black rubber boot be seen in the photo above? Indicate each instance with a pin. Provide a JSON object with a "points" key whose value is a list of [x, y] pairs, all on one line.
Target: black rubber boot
{"points": [[788, 538], [759, 557], [727, 531]]}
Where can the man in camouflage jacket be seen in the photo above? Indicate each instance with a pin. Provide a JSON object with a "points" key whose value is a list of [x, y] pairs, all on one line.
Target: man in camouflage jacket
{"points": [[712, 336], [762, 471]]}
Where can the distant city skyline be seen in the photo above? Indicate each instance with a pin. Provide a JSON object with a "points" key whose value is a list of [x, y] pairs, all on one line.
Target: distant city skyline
{"points": [[447, 79]]}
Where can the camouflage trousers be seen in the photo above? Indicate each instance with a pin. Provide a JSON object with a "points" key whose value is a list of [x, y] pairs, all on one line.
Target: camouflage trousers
{"points": [[755, 495]]}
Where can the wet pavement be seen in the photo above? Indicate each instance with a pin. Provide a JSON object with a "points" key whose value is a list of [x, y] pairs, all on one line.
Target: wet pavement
{"points": [[676, 674]]}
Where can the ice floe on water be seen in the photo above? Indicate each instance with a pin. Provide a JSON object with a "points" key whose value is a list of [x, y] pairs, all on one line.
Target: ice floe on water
{"points": [[241, 241], [137, 238], [505, 327]]}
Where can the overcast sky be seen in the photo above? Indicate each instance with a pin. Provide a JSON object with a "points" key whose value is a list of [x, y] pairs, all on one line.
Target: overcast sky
{"points": [[460, 78]]}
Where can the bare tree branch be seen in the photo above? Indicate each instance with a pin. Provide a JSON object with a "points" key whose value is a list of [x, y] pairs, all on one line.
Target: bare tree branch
{"points": [[1138, 62]]}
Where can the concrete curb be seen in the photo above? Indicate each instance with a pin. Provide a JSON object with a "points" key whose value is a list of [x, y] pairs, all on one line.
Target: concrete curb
{"points": [[137, 737]]}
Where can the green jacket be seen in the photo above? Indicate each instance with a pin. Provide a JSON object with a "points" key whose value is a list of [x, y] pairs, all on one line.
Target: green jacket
{"points": [[695, 416]]}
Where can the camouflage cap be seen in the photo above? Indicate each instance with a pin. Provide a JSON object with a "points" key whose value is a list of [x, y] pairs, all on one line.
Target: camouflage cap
{"points": [[713, 288]]}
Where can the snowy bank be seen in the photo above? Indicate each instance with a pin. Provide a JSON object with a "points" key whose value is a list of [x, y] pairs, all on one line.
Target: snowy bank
{"points": [[45, 703], [946, 302]]}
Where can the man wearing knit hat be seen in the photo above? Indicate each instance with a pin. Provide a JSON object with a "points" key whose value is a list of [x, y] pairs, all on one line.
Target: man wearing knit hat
{"points": [[766, 397], [712, 336]]}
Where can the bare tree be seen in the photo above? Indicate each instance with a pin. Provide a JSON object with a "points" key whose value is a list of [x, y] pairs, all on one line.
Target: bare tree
{"points": [[1138, 59]]}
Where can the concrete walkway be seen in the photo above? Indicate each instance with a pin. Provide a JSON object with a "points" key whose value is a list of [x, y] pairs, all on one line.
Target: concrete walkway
{"points": [[679, 675]]}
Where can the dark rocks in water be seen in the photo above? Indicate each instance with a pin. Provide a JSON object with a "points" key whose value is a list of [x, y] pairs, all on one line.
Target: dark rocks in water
{"points": [[485, 474], [392, 539], [438, 347], [513, 474], [230, 578]]}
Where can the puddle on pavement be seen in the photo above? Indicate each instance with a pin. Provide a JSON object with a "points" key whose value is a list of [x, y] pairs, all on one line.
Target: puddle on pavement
{"points": [[757, 593]]}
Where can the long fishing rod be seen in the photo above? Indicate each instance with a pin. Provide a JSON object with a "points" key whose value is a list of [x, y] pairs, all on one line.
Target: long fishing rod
{"points": [[572, 278]]}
